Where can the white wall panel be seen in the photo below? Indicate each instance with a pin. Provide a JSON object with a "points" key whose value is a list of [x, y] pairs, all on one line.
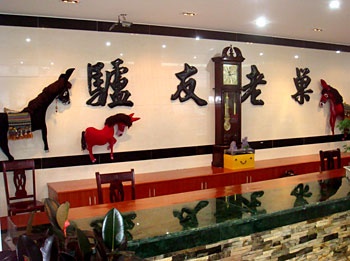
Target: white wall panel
{"points": [[27, 67]]}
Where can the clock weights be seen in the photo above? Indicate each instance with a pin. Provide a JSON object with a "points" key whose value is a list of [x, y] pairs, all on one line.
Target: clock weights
{"points": [[228, 83]]}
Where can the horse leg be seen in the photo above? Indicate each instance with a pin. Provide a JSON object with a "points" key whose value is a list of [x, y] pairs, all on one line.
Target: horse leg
{"points": [[44, 136], [332, 123], [92, 158], [5, 148], [111, 144], [3, 136]]}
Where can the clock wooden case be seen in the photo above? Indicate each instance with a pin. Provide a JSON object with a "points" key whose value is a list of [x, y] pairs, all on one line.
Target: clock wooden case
{"points": [[228, 83]]}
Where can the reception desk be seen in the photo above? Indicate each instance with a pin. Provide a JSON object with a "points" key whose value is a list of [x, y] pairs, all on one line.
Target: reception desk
{"points": [[172, 223], [165, 225]]}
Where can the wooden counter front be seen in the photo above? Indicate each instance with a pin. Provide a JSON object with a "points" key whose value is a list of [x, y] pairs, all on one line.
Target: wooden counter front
{"points": [[84, 193]]}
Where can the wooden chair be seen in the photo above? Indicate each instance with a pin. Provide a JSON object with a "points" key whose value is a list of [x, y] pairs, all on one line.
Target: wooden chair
{"points": [[17, 198], [116, 188], [332, 158]]}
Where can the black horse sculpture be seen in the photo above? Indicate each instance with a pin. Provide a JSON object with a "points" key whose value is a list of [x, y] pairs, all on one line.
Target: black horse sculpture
{"points": [[37, 110]]}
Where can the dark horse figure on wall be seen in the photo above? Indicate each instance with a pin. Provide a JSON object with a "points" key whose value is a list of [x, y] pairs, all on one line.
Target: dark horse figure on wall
{"points": [[92, 136], [37, 110], [336, 103]]}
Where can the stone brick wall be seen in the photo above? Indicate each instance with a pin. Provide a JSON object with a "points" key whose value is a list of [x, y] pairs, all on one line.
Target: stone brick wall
{"points": [[318, 239]]}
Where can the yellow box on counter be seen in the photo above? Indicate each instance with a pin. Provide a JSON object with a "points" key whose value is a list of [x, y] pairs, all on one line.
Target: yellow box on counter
{"points": [[240, 161]]}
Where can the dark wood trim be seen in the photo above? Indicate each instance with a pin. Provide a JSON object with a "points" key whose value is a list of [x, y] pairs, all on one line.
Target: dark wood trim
{"points": [[87, 25], [128, 156]]}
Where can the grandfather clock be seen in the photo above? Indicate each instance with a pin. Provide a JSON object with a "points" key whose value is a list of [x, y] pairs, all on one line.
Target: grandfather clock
{"points": [[228, 83]]}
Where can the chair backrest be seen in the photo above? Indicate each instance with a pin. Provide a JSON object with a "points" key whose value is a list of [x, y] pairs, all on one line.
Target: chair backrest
{"points": [[116, 188], [330, 159], [19, 169]]}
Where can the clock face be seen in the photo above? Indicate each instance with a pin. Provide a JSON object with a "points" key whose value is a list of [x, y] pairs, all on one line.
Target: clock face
{"points": [[230, 74]]}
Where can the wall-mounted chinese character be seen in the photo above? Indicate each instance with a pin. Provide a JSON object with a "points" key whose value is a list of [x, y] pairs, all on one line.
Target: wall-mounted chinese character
{"points": [[255, 78], [187, 87], [114, 79], [301, 82]]}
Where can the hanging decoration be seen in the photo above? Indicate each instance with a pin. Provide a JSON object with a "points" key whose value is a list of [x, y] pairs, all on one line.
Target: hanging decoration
{"points": [[20, 126], [336, 106], [92, 136], [37, 110]]}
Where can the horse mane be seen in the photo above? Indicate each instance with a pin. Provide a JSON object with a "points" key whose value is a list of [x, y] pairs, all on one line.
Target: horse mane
{"points": [[49, 93], [45, 98], [119, 117], [337, 97]]}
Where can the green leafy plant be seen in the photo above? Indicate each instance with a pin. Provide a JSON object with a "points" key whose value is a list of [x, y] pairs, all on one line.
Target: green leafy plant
{"points": [[72, 241], [344, 125], [51, 245], [110, 235], [346, 148], [64, 241]]}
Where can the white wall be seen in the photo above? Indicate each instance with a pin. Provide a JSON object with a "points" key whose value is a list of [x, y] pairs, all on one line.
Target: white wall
{"points": [[27, 67]]}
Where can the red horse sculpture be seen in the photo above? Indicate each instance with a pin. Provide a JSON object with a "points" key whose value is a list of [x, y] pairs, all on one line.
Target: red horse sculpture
{"points": [[336, 103], [92, 136]]}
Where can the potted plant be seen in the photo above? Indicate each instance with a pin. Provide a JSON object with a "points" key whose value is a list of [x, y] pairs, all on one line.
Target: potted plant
{"points": [[63, 240], [344, 127]]}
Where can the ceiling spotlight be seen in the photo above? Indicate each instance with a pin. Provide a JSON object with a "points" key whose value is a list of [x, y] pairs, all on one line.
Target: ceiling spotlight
{"points": [[261, 21], [70, 1], [121, 22], [335, 4], [189, 13], [317, 30]]}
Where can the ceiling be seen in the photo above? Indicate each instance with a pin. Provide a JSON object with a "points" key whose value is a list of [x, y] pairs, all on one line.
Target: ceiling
{"points": [[293, 19]]}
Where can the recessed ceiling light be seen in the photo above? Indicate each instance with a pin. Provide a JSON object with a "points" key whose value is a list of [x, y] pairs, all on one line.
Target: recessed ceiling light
{"points": [[335, 4], [189, 13], [261, 21], [317, 30], [70, 1]]}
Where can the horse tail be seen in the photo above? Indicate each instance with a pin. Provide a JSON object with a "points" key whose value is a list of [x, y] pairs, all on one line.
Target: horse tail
{"points": [[83, 141]]}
